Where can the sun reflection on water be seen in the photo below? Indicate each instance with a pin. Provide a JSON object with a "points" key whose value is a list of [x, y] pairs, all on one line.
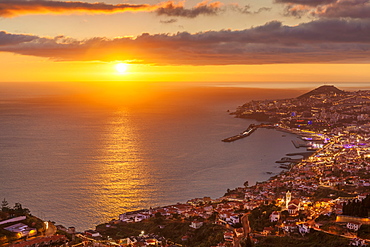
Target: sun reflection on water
{"points": [[122, 177]]}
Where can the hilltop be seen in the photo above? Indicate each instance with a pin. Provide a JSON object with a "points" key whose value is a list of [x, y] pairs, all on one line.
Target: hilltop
{"points": [[325, 89], [325, 107]]}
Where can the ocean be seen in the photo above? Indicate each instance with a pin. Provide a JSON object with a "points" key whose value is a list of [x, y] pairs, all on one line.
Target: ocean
{"points": [[82, 155]]}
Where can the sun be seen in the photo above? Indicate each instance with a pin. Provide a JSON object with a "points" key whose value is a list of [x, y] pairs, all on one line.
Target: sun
{"points": [[121, 68]]}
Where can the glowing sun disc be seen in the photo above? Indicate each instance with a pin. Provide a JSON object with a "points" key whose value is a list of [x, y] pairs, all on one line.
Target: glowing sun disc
{"points": [[121, 68]]}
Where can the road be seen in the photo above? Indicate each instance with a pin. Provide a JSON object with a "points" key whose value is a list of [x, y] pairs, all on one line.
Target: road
{"points": [[245, 223]]}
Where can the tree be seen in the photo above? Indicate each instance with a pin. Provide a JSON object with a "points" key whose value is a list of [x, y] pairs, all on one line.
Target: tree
{"points": [[18, 206], [213, 217], [158, 215], [4, 205], [357, 207], [19, 210], [158, 218], [284, 214], [246, 183]]}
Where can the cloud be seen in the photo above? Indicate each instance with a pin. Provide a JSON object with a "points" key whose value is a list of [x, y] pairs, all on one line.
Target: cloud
{"points": [[203, 8], [345, 8], [168, 21], [14, 39], [306, 2], [328, 8], [262, 10], [246, 9], [12, 8], [296, 10], [314, 42]]}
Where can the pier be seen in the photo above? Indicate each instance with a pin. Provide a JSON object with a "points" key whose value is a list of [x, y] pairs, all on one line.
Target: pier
{"points": [[245, 133]]}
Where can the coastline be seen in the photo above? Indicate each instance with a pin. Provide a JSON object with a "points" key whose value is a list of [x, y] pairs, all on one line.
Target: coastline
{"points": [[282, 171], [182, 164], [316, 183]]}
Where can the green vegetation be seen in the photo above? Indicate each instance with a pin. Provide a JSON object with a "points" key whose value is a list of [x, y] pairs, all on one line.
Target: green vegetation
{"points": [[334, 228], [315, 239], [207, 235], [260, 217], [236, 193], [357, 208], [8, 212], [173, 230], [326, 218], [247, 242], [364, 232], [322, 192]]}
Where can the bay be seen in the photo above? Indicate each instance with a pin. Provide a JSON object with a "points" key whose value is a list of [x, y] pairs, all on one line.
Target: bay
{"points": [[81, 157]]}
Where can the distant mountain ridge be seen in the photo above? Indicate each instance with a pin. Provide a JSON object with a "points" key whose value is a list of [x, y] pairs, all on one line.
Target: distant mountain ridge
{"points": [[325, 89]]}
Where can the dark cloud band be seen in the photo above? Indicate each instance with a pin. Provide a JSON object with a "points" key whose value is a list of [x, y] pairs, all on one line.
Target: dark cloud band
{"points": [[314, 42]]}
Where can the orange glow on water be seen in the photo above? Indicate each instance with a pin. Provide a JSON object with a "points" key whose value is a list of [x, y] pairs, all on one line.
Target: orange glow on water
{"points": [[121, 175]]}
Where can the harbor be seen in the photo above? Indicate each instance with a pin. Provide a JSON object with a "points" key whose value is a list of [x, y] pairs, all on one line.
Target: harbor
{"points": [[305, 141]]}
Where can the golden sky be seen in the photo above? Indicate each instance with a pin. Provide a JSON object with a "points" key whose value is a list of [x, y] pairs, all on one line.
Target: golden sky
{"points": [[269, 41]]}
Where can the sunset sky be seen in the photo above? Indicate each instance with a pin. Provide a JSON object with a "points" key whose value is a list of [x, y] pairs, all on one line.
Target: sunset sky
{"points": [[228, 40]]}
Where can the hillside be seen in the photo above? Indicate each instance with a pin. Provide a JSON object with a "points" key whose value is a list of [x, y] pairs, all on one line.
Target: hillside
{"points": [[325, 89]]}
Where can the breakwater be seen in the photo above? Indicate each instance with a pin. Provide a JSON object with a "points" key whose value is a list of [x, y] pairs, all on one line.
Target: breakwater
{"points": [[251, 128]]}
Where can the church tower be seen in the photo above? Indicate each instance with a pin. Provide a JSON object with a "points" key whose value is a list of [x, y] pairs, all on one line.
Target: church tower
{"points": [[288, 198]]}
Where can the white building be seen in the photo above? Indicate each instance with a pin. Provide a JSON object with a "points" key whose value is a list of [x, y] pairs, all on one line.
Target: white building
{"points": [[304, 228], [196, 224], [275, 216], [354, 226]]}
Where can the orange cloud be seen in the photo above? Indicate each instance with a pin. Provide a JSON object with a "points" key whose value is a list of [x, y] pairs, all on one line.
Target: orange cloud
{"points": [[12, 8], [328, 8], [345, 8], [204, 8]]}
